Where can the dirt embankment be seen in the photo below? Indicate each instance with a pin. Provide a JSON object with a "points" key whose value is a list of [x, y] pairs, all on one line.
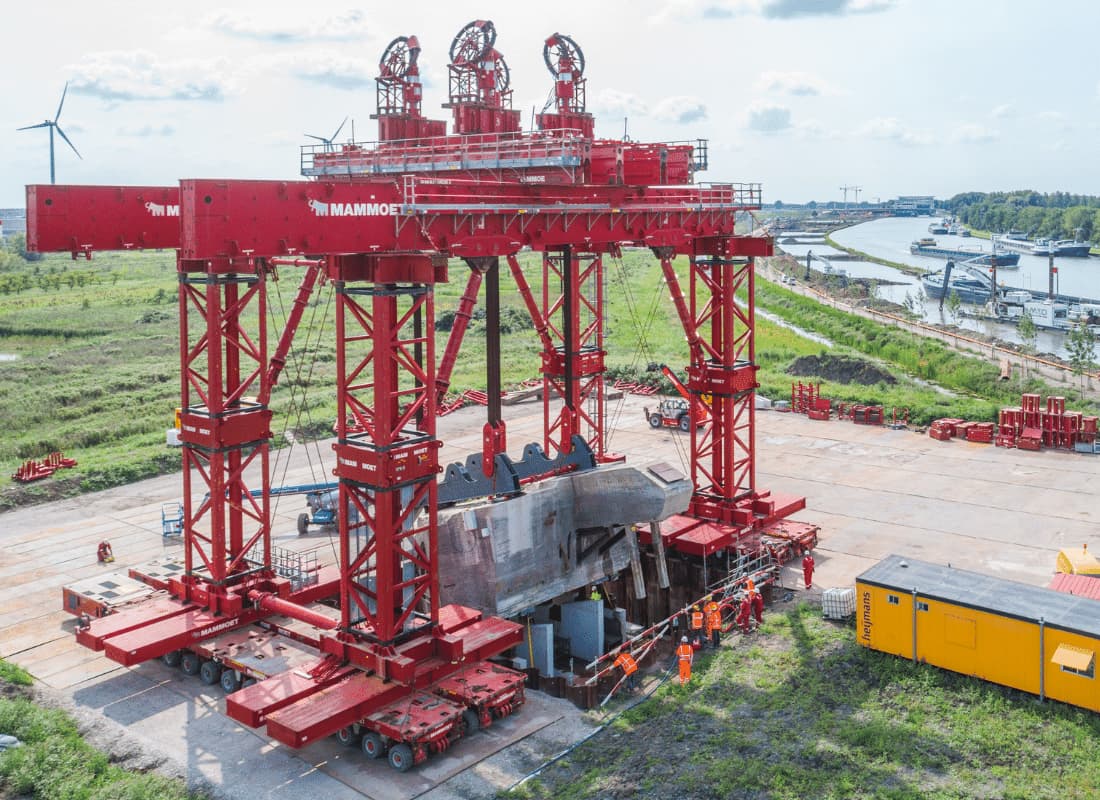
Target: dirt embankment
{"points": [[840, 369]]}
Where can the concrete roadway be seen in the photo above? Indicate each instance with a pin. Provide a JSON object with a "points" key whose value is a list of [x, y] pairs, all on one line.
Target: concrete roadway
{"points": [[874, 491]]}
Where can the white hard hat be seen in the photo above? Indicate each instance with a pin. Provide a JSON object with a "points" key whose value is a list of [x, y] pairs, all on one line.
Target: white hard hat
{"points": [[683, 638]]}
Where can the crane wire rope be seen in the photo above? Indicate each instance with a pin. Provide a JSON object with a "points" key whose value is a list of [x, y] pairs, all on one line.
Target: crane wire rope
{"points": [[296, 405], [643, 347]]}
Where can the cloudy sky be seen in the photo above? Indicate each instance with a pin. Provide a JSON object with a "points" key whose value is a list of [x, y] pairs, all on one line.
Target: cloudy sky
{"points": [[895, 96]]}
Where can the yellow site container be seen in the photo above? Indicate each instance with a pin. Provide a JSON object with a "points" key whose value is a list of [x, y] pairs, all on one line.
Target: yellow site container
{"points": [[1077, 561], [1029, 638]]}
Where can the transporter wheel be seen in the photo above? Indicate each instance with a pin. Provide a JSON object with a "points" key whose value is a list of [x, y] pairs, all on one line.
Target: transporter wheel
{"points": [[654, 420], [230, 681], [210, 672], [469, 716], [190, 663], [372, 745], [685, 422], [401, 757], [347, 736], [303, 524], [172, 659]]}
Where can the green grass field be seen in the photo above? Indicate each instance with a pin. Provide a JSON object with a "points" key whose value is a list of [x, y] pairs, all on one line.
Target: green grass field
{"points": [[801, 711], [89, 359]]}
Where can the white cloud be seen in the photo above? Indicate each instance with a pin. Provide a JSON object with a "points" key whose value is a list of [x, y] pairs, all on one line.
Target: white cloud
{"points": [[1055, 119], [140, 75], [333, 70], [768, 118], [350, 25], [146, 131], [769, 9], [814, 129], [972, 133], [1004, 110], [892, 130], [612, 101], [680, 109], [799, 84]]}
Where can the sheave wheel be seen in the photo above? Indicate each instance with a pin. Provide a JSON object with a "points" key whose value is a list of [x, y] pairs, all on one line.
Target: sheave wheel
{"points": [[190, 663], [654, 420], [685, 422], [303, 524], [210, 672], [401, 757], [372, 745]]}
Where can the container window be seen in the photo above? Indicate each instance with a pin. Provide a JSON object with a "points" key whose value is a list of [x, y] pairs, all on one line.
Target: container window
{"points": [[1075, 660], [892, 599], [922, 606], [74, 601]]}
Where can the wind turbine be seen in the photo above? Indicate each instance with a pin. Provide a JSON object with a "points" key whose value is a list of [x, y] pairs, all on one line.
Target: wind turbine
{"points": [[328, 142], [52, 124]]}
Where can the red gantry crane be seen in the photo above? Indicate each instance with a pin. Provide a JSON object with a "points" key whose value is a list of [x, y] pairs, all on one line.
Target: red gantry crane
{"points": [[394, 671]]}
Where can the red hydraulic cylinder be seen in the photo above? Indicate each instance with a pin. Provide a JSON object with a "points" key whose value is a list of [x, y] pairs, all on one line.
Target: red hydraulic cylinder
{"points": [[458, 332], [276, 605]]}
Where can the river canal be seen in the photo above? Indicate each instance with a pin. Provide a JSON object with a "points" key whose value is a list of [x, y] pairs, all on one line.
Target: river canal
{"points": [[889, 238]]}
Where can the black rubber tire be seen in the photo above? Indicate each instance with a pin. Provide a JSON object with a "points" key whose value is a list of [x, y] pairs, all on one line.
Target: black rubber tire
{"points": [[685, 422], [372, 744], [654, 420], [172, 659], [230, 681], [347, 736], [210, 672], [190, 663], [469, 716], [401, 757], [303, 524]]}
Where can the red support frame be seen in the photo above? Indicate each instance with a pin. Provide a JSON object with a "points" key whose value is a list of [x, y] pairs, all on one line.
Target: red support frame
{"points": [[223, 354], [388, 493], [720, 330], [573, 351]]}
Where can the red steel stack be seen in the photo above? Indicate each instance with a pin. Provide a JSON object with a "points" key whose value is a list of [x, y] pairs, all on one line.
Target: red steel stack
{"points": [[943, 429]]}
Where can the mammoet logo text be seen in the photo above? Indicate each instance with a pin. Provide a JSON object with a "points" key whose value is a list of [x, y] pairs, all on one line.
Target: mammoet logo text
{"points": [[158, 210], [320, 209], [865, 632]]}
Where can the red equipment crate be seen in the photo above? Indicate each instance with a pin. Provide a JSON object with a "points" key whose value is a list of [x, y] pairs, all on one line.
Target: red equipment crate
{"points": [[962, 428], [1030, 403], [980, 432], [1030, 439], [1005, 440], [941, 434], [817, 413], [1056, 405], [867, 415]]}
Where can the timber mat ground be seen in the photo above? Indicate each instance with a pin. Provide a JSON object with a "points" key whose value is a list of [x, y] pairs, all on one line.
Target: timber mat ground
{"points": [[798, 711]]}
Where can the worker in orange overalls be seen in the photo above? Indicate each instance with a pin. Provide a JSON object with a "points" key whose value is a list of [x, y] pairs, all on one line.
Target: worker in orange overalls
{"points": [[744, 613], [629, 666], [104, 552], [808, 569], [684, 655], [696, 625], [714, 621]]}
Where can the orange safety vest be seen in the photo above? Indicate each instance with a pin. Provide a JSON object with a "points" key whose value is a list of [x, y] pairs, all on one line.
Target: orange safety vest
{"points": [[696, 620], [627, 662], [684, 652], [714, 616]]}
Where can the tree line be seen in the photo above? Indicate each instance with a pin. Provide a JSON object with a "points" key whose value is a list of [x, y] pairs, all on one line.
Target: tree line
{"points": [[1055, 215]]}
